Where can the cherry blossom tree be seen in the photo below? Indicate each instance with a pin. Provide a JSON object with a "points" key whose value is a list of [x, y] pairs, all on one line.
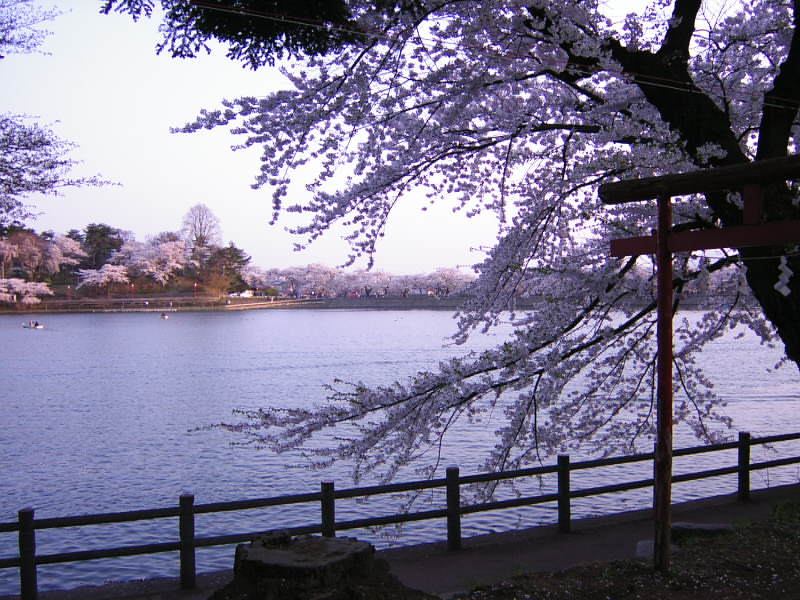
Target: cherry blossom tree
{"points": [[25, 292], [320, 280], [414, 285], [130, 253], [257, 277], [30, 254], [38, 256], [523, 109], [373, 282], [33, 160], [19, 26], [8, 252], [449, 280], [62, 251], [294, 279], [166, 259], [158, 260], [103, 277]]}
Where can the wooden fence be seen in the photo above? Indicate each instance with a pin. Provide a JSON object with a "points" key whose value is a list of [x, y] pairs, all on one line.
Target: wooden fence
{"points": [[187, 541]]}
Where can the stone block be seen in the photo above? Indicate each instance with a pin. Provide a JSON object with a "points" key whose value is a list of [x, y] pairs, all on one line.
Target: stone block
{"points": [[278, 567]]}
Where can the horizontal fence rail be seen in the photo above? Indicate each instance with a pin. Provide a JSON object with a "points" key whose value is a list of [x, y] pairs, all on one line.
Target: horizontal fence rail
{"points": [[187, 542]]}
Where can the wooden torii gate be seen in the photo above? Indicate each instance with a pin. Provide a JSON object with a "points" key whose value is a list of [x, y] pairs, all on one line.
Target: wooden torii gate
{"points": [[748, 179]]}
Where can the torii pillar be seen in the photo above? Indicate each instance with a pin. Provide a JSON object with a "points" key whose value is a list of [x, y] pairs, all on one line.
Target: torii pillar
{"points": [[749, 179]]}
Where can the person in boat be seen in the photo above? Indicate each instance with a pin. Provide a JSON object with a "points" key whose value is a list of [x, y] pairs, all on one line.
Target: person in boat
{"points": [[36, 323]]}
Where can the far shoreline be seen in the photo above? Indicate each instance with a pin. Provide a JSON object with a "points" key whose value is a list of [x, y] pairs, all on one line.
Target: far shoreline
{"points": [[176, 304]]}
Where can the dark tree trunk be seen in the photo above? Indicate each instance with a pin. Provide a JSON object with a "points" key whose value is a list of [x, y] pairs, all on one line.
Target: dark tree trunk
{"points": [[690, 112]]}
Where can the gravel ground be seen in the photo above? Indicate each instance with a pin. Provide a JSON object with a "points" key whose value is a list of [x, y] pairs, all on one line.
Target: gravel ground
{"points": [[758, 560]]}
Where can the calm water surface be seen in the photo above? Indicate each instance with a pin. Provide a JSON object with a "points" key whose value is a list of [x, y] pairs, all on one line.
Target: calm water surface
{"points": [[97, 412]]}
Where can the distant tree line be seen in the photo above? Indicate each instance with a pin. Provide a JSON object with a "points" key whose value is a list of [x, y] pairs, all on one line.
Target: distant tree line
{"points": [[329, 282], [104, 260], [101, 260]]}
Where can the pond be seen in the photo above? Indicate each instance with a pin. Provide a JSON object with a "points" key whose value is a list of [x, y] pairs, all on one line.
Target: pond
{"points": [[100, 413]]}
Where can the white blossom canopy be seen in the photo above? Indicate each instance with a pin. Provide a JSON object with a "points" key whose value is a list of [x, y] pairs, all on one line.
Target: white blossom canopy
{"points": [[32, 158], [159, 260], [102, 277], [523, 108], [25, 292]]}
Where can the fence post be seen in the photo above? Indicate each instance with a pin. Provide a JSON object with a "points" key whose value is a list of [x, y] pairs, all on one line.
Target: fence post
{"points": [[453, 510], [744, 466], [328, 506], [564, 515], [186, 531], [27, 555]]}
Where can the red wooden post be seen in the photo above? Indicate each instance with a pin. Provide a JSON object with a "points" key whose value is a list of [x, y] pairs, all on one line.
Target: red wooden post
{"points": [[749, 178]]}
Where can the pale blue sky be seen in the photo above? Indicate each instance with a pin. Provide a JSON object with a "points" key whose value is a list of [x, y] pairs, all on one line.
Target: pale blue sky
{"points": [[103, 87]]}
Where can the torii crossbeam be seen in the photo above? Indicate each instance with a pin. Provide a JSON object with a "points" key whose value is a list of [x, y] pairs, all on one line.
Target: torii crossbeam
{"points": [[748, 179]]}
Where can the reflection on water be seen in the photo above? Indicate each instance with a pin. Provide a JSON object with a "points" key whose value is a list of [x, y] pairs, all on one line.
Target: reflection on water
{"points": [[98, 408]]}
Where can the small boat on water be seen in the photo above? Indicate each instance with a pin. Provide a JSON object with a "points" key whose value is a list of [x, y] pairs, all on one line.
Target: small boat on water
{"points": [[164, 316], [33, 325]]}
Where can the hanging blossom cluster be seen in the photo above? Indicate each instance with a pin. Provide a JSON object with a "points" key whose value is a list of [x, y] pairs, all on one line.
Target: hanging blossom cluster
{"points": [[523, 109]]}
